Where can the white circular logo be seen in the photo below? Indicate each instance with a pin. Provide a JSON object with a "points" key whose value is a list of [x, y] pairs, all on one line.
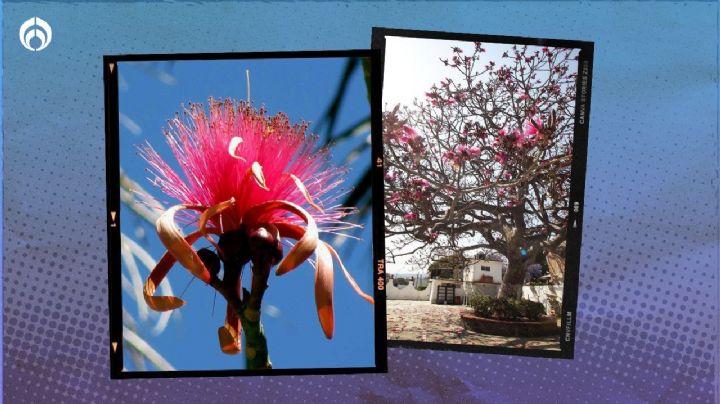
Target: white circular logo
{"points": [[35, 34]]}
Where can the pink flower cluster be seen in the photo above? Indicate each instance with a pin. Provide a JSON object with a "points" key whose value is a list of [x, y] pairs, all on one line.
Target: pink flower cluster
{"points": [[418, 189], [517, 139], [461, 153], [437, 99], [411, 216], [420, 182], [395, 197], [407, 135], [421, 189]]}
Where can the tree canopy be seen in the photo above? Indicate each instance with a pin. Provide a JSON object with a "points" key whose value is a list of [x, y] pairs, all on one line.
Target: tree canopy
{"points": [[482, 163]]}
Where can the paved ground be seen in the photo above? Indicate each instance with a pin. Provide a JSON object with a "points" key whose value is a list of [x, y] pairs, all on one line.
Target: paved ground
{"points": [[421, 321]]}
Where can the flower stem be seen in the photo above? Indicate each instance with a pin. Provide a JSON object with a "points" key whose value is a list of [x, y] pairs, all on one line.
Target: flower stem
{"points": [[256, 355], [256, 351], [263, 250]]}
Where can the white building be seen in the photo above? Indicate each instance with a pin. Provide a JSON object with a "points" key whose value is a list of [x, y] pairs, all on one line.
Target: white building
{"points": [[483, 271], [480, 277]]}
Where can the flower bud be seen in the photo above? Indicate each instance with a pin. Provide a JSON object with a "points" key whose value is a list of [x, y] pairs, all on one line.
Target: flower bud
{"points": [[210, 259], [264, 246], [233, 245]]}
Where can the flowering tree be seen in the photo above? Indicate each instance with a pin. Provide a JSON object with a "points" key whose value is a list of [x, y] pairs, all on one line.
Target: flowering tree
{"points": [[483, 162]]}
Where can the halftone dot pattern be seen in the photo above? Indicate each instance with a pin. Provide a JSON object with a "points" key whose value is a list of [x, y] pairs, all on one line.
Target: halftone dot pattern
{"points": [[648, 302]]}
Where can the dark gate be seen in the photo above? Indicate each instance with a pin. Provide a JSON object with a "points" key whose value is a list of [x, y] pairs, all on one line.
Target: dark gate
{"points": [[446, 294]]}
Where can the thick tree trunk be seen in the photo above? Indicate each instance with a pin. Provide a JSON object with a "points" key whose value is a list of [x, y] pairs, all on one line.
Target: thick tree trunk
{"points": [[556, 265], [514, 278]]}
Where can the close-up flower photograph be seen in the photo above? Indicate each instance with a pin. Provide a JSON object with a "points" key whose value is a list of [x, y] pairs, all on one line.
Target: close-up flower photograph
{"points": [[245, 224]]}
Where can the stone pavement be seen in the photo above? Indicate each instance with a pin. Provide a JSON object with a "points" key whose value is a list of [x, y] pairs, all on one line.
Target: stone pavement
{"points": [[410, 320]]}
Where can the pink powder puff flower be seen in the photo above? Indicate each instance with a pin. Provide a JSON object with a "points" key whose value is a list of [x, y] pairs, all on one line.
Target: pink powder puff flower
{"points": [[410, 216], [247, 179], [391, 175], [524, 96], [501, 158]]}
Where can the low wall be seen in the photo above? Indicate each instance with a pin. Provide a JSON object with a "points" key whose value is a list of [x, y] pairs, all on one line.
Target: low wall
{"points": [[540, 294], [465, 288], [535, 293], [486, 289], [406, 292]]}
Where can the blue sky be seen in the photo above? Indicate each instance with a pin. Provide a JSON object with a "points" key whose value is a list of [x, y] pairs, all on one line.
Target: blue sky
{"points": [[152, 92]]}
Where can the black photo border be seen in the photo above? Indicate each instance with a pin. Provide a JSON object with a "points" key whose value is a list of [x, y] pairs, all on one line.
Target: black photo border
{"points": [[110, 75], [577, 183]]}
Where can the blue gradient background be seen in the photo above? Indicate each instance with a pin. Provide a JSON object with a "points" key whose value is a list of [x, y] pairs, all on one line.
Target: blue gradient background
{"points": [[648, 304]]}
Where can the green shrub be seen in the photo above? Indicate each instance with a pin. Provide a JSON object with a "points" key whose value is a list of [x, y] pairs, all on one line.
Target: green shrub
{"points": [[506, 309], [482, 305], [531, 310]]}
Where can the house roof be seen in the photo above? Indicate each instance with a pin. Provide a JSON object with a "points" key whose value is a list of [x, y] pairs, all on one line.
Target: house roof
{"points": [[474, 260]]}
